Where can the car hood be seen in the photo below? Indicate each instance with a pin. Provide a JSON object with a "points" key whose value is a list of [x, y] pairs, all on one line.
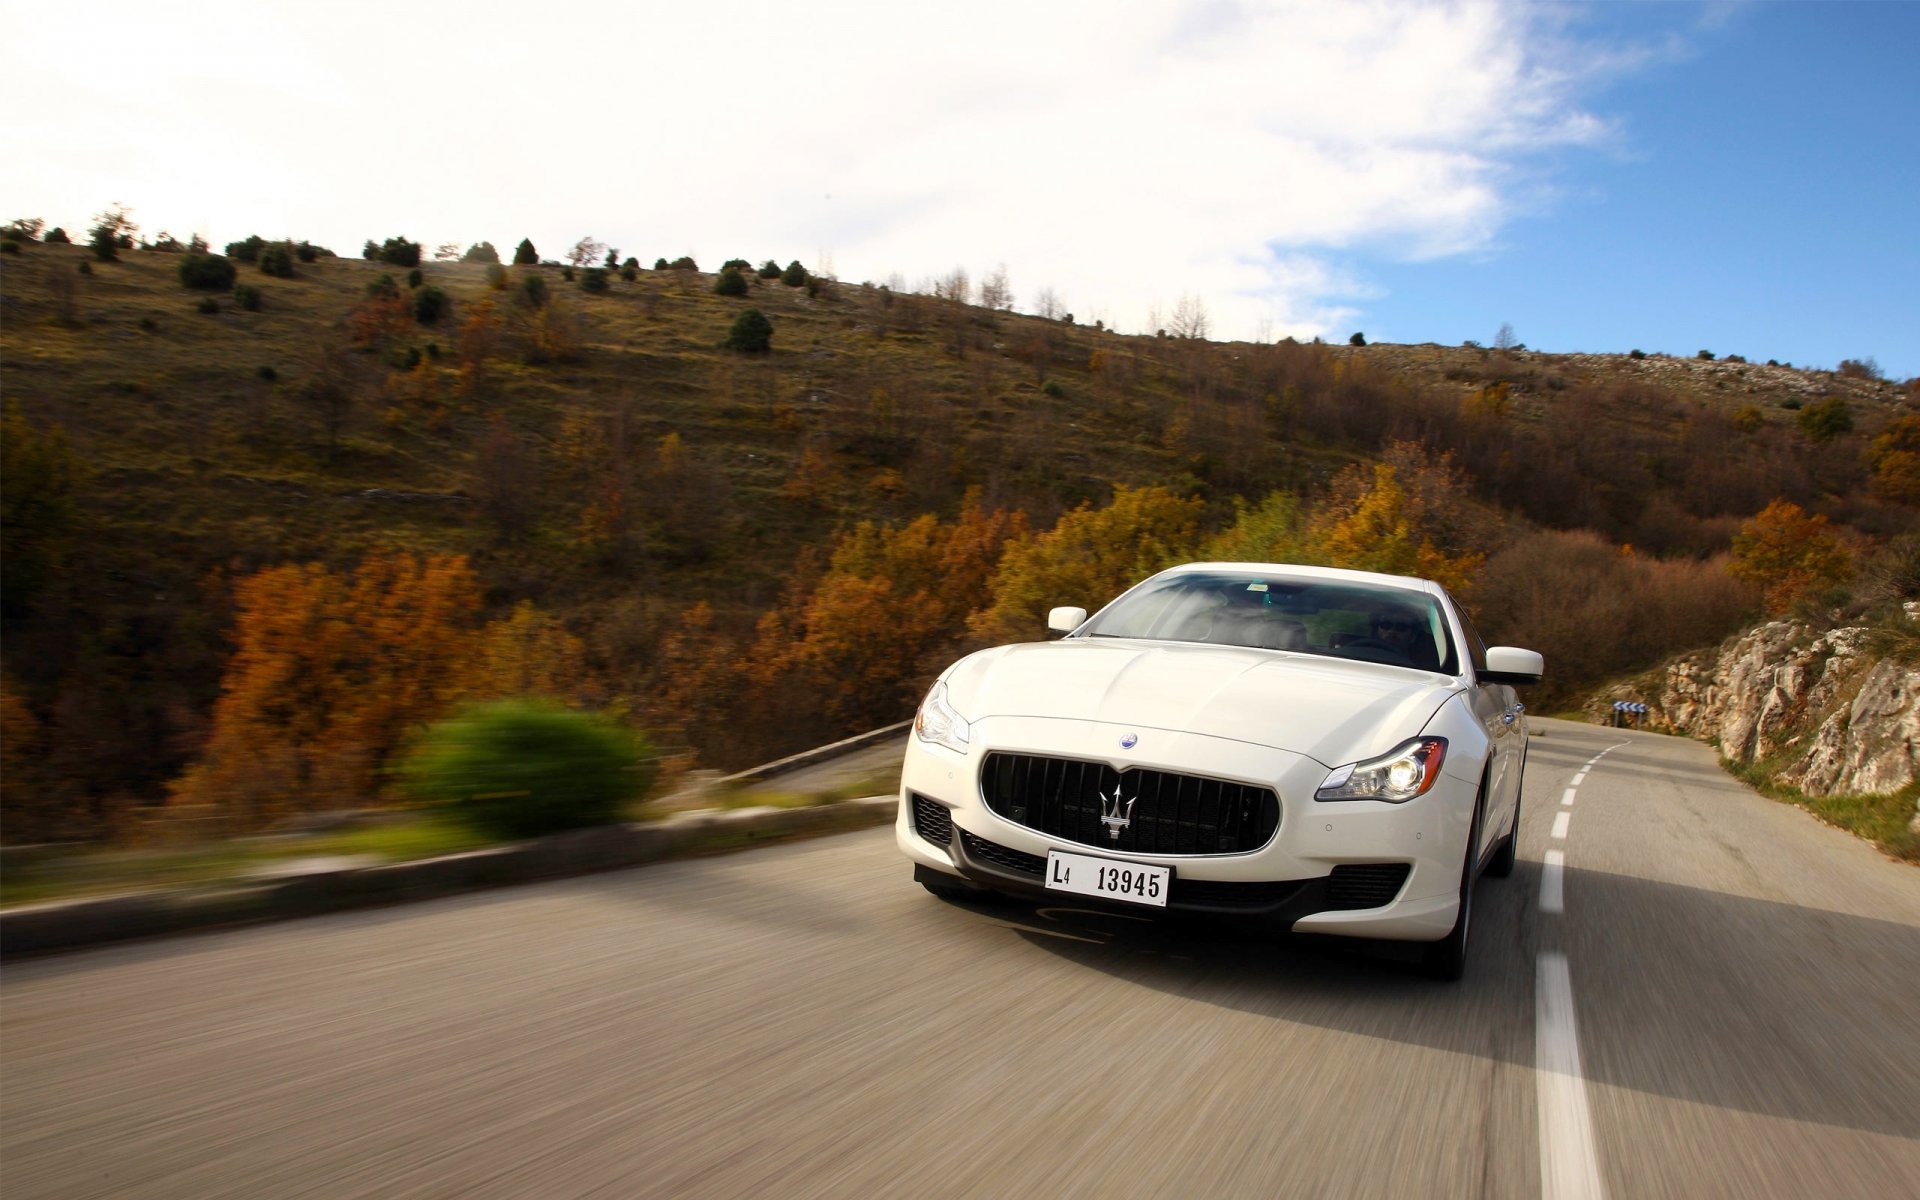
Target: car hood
{"points": [[1332, 710]]}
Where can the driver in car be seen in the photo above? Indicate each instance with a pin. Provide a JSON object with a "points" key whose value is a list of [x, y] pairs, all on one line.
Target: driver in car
{"points": [[1399, 629]]}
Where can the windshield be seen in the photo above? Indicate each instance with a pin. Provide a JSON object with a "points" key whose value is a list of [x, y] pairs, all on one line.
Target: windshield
{"points": [[1335, 618]]}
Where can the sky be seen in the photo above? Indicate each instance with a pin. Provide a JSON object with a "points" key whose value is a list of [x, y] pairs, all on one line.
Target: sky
{"points": [[1671, 177]]}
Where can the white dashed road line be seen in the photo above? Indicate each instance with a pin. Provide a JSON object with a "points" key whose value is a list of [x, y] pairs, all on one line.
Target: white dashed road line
{"points": [[1569, 1169], [1552, 870]]}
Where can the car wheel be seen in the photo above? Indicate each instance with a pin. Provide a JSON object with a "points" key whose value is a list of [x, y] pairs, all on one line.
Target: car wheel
{"points": [[1447, 958]]}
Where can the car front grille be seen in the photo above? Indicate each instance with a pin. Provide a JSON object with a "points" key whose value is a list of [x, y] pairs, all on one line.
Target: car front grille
{"points": [[932, 821], [1004, 857], [1365, 885], [1151, 812]]}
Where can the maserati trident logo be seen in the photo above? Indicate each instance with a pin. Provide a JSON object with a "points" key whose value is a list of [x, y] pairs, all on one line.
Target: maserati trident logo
{"points": [[1116, 814]]}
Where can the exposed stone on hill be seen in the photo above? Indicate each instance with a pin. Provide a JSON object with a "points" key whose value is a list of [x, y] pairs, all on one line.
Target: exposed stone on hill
{"points": [[1846, 720]]}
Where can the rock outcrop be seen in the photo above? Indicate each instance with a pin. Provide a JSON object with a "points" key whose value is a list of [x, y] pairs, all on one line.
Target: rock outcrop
{"points": [[1837, 717]]}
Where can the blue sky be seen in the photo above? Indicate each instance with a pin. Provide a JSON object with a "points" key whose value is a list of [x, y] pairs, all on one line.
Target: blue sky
{"points": [[1760, 196], [1739, 177]]}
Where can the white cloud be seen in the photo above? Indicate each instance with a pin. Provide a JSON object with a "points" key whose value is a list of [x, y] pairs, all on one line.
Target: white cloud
{"points": [[1123, 155]]}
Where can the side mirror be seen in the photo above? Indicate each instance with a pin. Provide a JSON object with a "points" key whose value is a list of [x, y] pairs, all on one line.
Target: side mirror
{"points": [[1066, 620], [1510, 664]]}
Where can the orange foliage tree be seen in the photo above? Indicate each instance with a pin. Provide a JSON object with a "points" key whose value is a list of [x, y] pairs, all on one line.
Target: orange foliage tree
{"points": [[1895, 459], [1373, 523], [892, 601], [332, 671], [1090, 556], [1790, 555]]}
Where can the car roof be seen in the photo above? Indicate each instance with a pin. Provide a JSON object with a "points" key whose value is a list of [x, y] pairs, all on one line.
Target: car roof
{"points": [[1297, 571]]}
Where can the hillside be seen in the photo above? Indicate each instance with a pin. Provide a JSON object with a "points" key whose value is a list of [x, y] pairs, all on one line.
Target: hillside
{"points": [[603, 457]]}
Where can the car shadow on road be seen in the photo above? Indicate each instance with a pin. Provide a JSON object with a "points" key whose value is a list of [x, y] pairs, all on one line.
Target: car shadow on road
{"points": [[1721, 1000]]}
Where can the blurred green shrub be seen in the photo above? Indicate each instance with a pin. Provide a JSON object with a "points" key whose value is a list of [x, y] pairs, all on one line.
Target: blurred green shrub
{"points": [[206, 272], [525, 767]]}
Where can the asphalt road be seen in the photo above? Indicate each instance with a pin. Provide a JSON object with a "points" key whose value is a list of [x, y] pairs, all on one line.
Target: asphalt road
{"points": [[1725, 1005]]}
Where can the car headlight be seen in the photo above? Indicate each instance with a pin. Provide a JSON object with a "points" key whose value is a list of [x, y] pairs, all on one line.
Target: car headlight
{"points": [[936, 722], [1406, 771]]}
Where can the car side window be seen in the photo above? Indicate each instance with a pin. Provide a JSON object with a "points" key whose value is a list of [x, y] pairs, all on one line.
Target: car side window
{"points": [[1476, 649]]}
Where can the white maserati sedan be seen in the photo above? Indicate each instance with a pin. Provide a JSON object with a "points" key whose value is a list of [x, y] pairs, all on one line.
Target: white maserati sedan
{"points": [[1336, 750]]}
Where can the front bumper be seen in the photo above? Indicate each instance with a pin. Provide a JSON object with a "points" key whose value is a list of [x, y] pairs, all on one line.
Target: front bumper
{"points": [[1356, 868]]}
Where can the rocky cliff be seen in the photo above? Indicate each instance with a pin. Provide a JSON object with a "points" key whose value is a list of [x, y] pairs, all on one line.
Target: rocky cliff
{"points": [[1828, 712]]}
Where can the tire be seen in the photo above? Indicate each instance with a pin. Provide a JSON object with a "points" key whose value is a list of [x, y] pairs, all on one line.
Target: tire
{"points": [[1446, 959]]}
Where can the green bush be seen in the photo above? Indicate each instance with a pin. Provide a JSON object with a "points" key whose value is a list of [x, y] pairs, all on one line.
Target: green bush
{"points": [[481, 252], [1826, 419], [430, 304], [207, 272], [209, 306], [415, 278], [1636, 354], [1358, 339], [1052, 388], [593, 279], [629, 272], [277, 260], [685, 263], [247, 251], [659, 264], [735, 264], [533, 290], [752, 333], [306, 251], [57, 237], [632, 264], [521, 768], [731, 283], [383, 288], [795, 275], [769, 270], [1705, 356], [496, 277], [248, 297], [525, 255], [399, 252]]}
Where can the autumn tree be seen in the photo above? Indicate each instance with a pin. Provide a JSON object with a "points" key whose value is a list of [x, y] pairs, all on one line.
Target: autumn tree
{"points": [[893, 600], [330, 672], [586, 251], [1371, 523], [995, 292], [525, 653], [1895, 460], [1790, 555], [1190, 320], [1087, 558]]}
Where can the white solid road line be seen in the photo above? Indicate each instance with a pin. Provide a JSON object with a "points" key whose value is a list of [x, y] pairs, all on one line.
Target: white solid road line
{"points": [[1552, 871], [1568, 1168], [1560, 823]]}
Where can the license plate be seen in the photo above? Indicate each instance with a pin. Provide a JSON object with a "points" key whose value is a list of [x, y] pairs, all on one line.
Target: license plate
{"points": [[1108, 878]]}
